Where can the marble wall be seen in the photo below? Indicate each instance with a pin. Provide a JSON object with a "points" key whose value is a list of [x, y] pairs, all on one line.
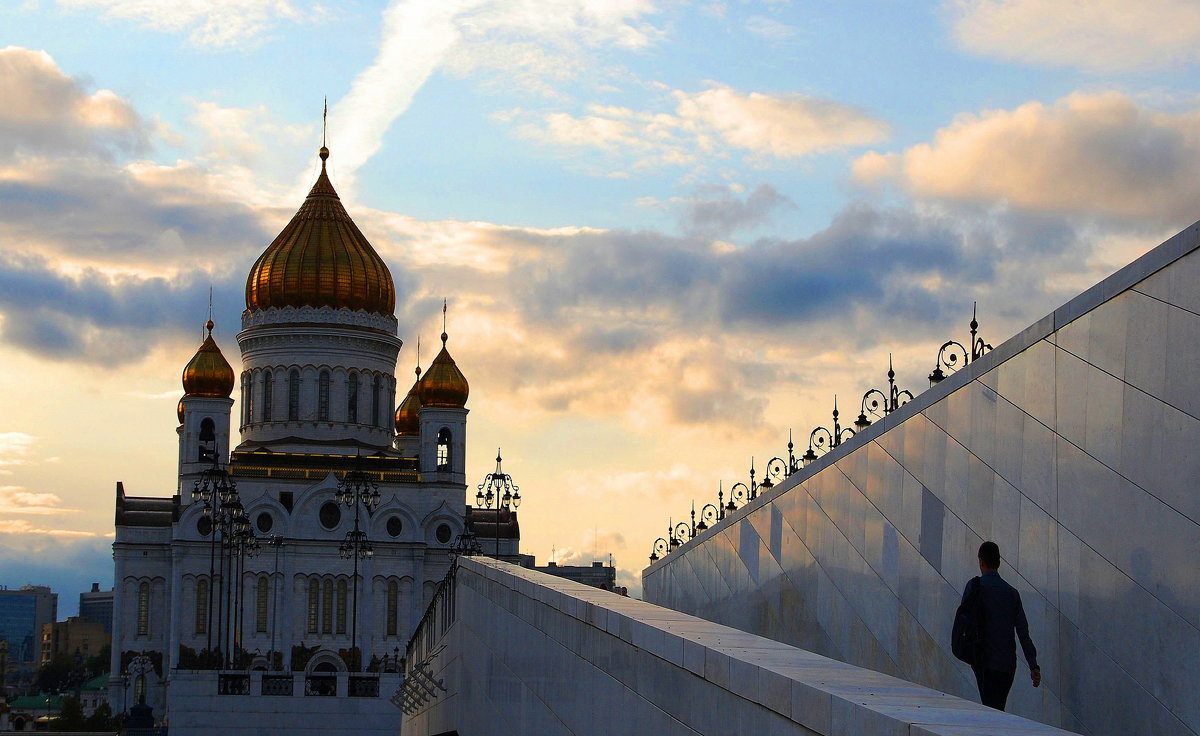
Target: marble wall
{"points": [[529, 653], [1075, 446]]}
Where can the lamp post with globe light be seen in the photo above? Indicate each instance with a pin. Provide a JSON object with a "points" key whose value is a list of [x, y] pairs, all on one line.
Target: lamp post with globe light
{"points": [[356, 490], [499, 492]]}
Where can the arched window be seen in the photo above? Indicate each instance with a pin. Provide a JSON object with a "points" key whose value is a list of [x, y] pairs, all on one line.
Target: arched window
{"points": [[143, 610], [323, 397], [245, 399], [341, 607], [207, 449], [393, 600], [201, 606], [443, 449], [294, 395], [352, 399], [250, 399], [327, 608], [314, 603], [260, 606], [375, 403], [268, 395]]}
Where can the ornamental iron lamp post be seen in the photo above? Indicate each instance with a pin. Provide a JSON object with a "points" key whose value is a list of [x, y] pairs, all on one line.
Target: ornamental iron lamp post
{"points": [[953, 351], [826, 439], [499, 492], [356, 490], [880, 404], [225, 523]]}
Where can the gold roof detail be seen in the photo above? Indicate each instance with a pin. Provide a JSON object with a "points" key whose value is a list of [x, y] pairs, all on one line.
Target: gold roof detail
{"points": [[407, 418], [321, 259], [207, 373], [443, 384]]}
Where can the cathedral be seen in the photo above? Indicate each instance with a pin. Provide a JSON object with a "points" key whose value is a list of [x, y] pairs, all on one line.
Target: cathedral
{"points": [[276, 589]]}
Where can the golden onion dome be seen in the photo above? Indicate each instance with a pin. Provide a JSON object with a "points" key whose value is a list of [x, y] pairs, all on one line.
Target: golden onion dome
{"points": [[443, 384], [321, 259], [407, 417], [207, 373]]}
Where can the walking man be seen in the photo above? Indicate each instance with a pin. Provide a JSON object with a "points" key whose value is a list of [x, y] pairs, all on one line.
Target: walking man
{"points": [[1002, 615]]}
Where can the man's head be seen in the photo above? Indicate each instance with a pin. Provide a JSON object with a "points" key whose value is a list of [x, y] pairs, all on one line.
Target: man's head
{"points": [[989, 556]]}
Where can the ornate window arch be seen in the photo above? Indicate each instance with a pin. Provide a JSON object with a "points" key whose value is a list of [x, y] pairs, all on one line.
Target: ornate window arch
{"points": [[268, 399], [341, 606], [393, 607], [260, 606], [143, 609], [323, 396], [327, 607], [314, 604], [201, 606], [376, 401], [294, 395], [444, 440]]}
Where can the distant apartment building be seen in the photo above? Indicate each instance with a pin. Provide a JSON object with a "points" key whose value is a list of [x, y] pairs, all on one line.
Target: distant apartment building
{"points": [[76, 634], [97, 605], [598, 575], [23, 613]]}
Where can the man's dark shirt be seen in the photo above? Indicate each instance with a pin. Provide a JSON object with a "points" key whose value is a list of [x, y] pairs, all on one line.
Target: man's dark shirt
{"points": [[1003, 613]]}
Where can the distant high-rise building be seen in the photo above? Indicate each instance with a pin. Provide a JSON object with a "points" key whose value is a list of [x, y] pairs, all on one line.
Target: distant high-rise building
{"points": [[97, 606], [75, 635], [23, 613]]}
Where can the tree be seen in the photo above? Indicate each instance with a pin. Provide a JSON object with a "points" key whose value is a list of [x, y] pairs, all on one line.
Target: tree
{"points": [[55, 675], [99, 664], [101, 719], [70, 718]]}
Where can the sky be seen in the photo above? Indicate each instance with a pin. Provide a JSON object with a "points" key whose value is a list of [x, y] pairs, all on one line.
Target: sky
{"points": [[668, 231]]}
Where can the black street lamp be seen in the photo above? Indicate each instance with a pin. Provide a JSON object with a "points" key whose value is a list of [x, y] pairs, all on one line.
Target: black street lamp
{"points": [[880, 404], [826, 439], [953, 351], [499, 492], [228, 529], [356, 490]]}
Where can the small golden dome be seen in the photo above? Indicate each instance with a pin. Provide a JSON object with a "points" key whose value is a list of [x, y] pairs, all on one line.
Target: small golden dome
{"points": [[321, 259], [407, 417], [179, 411], [443, 384], [207, 373]]}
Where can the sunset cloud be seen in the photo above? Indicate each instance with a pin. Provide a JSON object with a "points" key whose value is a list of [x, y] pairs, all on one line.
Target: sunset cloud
{"points": [[1096, 35], [1092, 153], [18, 500], [44, 110], [710, 123]]}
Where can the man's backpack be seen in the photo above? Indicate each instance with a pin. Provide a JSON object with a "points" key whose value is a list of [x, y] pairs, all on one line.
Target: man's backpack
{"points": [[966, 639]]}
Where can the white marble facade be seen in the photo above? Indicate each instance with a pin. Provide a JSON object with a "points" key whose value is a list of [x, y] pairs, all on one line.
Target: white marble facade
{"points": [[317, 392], [1073, 446]]}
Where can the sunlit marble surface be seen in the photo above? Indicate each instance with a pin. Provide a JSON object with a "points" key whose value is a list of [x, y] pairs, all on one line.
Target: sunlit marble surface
{"points": [[1075, 446]]}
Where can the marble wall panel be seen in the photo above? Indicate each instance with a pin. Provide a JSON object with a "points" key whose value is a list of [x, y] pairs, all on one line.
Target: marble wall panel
{"points": [[1077, 454]]}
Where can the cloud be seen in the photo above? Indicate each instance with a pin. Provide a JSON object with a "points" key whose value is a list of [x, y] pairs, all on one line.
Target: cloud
{"points": [[1087, 153], [710, 123], [45, 111], [717, 211], [96, 318], [14, 449], [769, 28], [213, 23], [523, 42], [21, 526], [18, 500], [1096, 35]]}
